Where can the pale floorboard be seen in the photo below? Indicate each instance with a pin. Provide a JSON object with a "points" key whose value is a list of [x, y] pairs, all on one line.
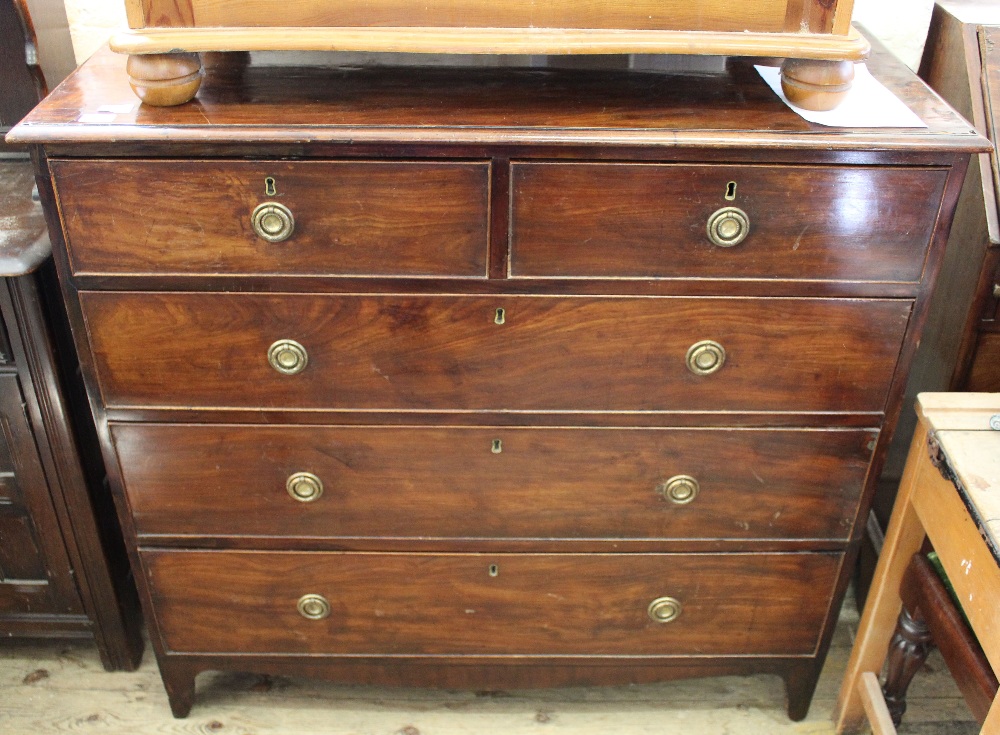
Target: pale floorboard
{"points": [[59, 687]]}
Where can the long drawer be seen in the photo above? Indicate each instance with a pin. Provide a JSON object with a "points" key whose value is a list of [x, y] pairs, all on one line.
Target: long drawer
{"points": [[500, 482], [347, 217], [493, 352], [599, 220], [500, 604]]}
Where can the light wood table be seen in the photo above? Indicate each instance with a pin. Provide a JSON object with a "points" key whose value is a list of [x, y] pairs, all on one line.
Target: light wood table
{"points": [[950, 493]]}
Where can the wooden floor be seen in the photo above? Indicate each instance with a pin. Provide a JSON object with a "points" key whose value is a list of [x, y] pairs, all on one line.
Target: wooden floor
{"points": [[53, 687]]}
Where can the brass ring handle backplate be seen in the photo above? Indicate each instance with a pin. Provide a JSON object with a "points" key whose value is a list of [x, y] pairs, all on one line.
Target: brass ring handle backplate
{"points": [[728, 227], [664, 610], [706, 357], [680, 489], [304, 487], [288, 357], [273, 222], [314, 607]]}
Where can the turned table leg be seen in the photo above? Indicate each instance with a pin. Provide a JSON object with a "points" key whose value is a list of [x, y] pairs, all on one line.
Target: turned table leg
{"points": [[903, 539], [164, 80], [908, 649], [816, 85]]}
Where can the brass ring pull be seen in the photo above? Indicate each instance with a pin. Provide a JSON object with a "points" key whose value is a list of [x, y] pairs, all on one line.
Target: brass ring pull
{"points": [[288, 357], [304, 487], [728, 227], [314, 607], [680, 489], [664, 610], [706, 357], [273, 222]]}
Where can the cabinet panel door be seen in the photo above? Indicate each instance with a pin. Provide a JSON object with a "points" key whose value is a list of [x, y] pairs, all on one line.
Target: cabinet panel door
{"points": [[34, 568]]}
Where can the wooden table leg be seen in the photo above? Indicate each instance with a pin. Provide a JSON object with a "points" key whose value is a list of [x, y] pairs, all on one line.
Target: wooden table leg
{"points": [[903, 539]]}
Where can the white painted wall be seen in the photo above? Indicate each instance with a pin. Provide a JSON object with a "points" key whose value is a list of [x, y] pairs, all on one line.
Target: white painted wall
{"points": [[91, 22], [901, 24]]}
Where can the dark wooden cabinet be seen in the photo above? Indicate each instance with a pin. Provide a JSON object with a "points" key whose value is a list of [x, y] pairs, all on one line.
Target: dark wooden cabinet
{"points": [[962, 63], [63, 569], [961, 347], [493, 378]]}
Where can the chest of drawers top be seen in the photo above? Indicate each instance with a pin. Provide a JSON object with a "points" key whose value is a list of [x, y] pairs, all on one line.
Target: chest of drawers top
{"points": [[297, 109]]}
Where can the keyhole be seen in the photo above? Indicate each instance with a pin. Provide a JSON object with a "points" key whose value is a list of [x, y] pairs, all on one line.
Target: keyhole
{"points": [[497, 446], [500, 317], [494, 570], [730, 191], [269, 188]]}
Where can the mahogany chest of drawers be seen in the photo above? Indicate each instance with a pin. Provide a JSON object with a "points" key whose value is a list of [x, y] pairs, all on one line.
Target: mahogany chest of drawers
{"points": [[492, 378]]}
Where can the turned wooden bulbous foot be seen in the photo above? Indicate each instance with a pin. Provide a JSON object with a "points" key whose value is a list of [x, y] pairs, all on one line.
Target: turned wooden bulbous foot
{"points": [[164, 80], [816, 85]]}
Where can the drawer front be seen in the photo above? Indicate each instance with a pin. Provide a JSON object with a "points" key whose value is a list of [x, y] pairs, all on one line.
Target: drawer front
{"points": [[648, 221], [448, 352], [350, 218], [457, 482], [500, 604]]}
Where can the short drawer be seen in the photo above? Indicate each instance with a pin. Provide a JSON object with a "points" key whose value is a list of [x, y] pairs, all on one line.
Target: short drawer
{"points": [[609, 220], [353, 218], [450, 352], [499, 482], [497, 604]]}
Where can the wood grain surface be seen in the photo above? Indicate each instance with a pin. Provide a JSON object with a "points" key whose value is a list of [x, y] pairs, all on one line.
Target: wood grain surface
{"points": [[720, 15], [806, 222], [447, 352], [333, 100], [370, 218], [537, 604], [428, 482]]}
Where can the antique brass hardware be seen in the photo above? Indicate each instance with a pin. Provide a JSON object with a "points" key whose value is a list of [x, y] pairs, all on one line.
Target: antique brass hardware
{"points": [[314, 607], [269, 187], [494, 570], [996, 290], [273, 222], [501, 316], [497, 446], [680, 489], [731, 191], [288, 357], [706, 357], [304, 487], [728, 226], [664, 610]]}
